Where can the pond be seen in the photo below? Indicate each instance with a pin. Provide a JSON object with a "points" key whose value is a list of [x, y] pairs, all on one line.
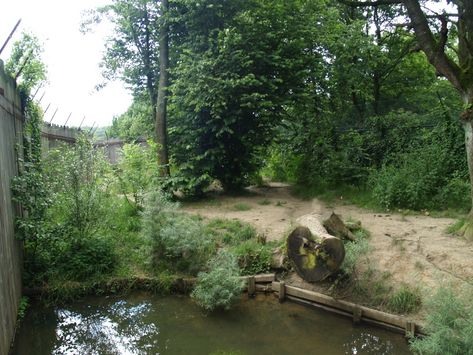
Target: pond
{"points": [[141, 323]]}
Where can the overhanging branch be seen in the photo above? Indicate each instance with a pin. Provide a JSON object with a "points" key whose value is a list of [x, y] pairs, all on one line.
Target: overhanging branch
{"points": [[370, 3]]}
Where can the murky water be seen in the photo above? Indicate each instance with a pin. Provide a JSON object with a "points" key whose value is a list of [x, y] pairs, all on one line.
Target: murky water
{"points": [[141, 323]]}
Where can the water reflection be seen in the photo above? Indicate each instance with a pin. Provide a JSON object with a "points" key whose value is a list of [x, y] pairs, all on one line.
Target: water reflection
{"points": [[118, 329], [145, 324], [366, 343]]}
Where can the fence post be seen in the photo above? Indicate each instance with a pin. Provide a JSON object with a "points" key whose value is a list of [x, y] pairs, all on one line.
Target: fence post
{"points": [[251, 286]]}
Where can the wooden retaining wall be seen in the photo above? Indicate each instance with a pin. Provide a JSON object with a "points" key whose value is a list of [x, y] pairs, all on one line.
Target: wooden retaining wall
{"points": [[267, 283], [11, 126]]}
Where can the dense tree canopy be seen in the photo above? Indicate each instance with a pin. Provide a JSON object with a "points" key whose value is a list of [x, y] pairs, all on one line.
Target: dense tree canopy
{"points": [[320, 93]]}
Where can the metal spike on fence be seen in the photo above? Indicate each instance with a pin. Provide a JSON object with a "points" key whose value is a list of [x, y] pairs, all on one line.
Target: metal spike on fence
{"points": [[47, 107], [39, 101], [91, 128], [27, 59], [81, 122], [65, 123], [54, 114], [10, 36], [34, 95]]}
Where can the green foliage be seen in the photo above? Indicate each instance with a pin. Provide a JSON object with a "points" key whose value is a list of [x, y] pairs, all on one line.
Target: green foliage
{"points": [[253, 257], [67, 233], [430, 174], [30, 189], [26, 56], [180, 241], [84, 259], [220, 286], [241, 207], [449, 324], [22, 308], [404, 300], [354, 251], [232, 80], [230, 232], [136, 122], [80, 181], [137, 171], [264, 202]]}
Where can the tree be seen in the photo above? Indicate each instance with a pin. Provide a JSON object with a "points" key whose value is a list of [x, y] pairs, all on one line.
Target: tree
{"points": [[447, 41], [25, 62], [161, 110], [241, 65], [29, 188], [133, 55]]}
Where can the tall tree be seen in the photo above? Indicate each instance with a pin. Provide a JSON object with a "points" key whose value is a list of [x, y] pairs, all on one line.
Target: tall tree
{"points": [[161, 109], [447, 41], [133, 52]]}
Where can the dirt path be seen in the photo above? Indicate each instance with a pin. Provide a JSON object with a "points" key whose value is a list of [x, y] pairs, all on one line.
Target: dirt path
{"points": [[416, 250]]}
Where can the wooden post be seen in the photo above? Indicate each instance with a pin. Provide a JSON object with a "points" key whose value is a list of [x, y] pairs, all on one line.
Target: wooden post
{"points": [[410, 329], [282, 291], [251, 286], [357, 314]]}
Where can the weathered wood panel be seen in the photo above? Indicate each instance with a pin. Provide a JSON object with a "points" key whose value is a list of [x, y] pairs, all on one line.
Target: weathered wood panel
{"points": [[11, 125]]}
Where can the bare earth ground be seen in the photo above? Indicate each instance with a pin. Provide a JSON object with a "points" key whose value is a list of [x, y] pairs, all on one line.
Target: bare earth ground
{"points": [[415, 250]]}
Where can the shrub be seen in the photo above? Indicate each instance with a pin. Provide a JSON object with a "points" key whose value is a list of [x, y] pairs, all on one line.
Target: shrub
{"points": [[230, 232], [449, 324], [404, 300], [180, 241], [429, 174], [354, 251], [79, 180], [220, 286], [85, 258], [137, 171], [253, 257]]}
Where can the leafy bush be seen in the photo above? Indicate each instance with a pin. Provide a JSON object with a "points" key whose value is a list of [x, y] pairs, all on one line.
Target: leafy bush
{"points": [[85, 258], [220, 286], [137, 171], [180, 241], [449, 324], [430, 173], [80, 180], [253, 257]]}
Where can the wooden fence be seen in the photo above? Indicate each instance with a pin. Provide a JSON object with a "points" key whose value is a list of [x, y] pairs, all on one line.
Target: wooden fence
{"points": [[11, 128], [52, 136]]}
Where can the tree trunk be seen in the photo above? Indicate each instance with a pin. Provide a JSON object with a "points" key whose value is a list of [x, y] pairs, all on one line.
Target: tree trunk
{"points": [[161, 107], [467, 119], [315, 253], [335, 226]]}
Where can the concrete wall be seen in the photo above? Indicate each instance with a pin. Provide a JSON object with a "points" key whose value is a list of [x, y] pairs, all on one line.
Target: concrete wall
{"points": [[11, 125]]}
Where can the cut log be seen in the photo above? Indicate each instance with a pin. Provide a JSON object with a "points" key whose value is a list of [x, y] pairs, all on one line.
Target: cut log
{"points": [[315, 253], [337, 228], [353, 226]]}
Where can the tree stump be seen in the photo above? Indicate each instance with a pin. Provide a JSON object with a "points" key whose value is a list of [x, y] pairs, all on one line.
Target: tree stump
{"points": [[315, 253], [337, 228]]}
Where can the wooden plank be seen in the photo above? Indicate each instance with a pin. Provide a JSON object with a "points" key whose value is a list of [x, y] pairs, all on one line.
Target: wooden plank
{"points": [[265, 278], [410, 329], [282, 291], [347, 308], [251, 286], [11, 129], [357, 314]]}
